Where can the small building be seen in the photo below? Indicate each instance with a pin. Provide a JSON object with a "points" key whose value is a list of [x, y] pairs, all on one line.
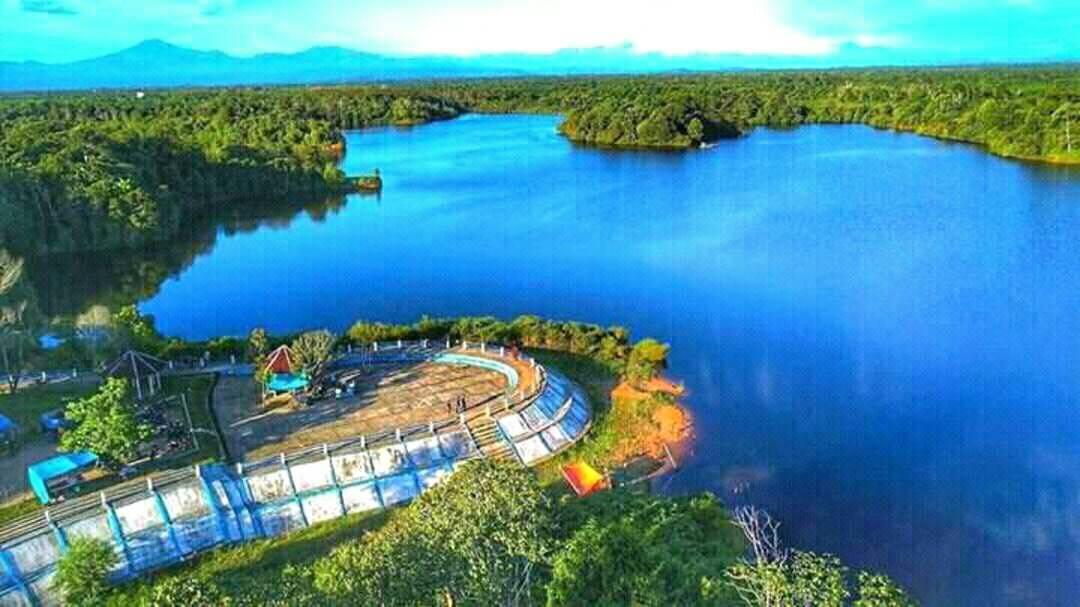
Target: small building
{"points": [[140, 369], [51, 476], [281, 374]]}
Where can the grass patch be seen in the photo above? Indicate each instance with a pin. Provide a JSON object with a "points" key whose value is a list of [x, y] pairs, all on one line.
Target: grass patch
{"points": [[198, 389], [597, 379], [26, 406], [620, 426], [31, 402], [18, 509], [253, 570]]}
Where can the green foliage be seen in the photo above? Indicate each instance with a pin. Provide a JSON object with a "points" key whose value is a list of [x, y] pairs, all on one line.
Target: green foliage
{"points": [[82, 573], [637, 549], [808, 578], [1019, 112], [269, 572], [646, 121], [17, 318], [187, 592], [258, 347], [475, 539], [11, 269], [95, 171], [647, 359], [26, 406], [95, 331], [610, 345], [105, 424], [877, 590], [136, 330], [312, 350], [818, 579]]}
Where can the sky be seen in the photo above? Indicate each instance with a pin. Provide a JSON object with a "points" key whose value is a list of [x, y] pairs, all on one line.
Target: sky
{"points": [[831, 31]]}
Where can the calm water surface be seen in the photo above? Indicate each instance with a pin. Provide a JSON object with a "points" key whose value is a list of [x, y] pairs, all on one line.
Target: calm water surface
{"points": [[880, 331]]}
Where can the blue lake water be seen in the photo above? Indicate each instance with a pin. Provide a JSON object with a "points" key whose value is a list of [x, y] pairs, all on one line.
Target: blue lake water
{"points": [[880, 332]]}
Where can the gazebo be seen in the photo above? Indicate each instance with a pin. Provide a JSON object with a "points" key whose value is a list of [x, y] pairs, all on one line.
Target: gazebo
{"points": [[281, 374], [141, 369]]}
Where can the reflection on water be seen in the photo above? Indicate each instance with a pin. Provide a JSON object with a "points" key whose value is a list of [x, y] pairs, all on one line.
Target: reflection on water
{"points": [[878, 331], [66, 285]]}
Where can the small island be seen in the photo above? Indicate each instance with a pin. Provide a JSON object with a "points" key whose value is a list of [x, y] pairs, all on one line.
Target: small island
{"points": [[674, 125], [366, 183]]}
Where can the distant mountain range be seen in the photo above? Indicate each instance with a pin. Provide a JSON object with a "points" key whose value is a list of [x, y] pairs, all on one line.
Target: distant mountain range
{"points": [[155, 63]]}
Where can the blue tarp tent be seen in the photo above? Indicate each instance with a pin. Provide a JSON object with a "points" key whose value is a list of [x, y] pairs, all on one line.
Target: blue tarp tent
{"points": [[54, 421], [57, 467], [7, 427]]}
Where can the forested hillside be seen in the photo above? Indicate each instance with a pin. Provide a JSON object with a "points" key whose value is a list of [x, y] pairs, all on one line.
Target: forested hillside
{"points": [[96, 171], [103, 171], [1023, 113]]}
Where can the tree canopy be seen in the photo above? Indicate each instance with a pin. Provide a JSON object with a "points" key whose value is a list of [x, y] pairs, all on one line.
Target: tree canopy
{"points": [[312, 350], [105, 424], [91, 171], [477, 539]]}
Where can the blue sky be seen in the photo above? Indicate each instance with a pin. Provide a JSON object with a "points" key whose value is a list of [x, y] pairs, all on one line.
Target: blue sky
{"points": [[832, 31]]}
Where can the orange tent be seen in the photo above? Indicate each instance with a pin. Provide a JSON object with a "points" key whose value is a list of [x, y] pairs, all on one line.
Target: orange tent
{"points": [[583, 478]]}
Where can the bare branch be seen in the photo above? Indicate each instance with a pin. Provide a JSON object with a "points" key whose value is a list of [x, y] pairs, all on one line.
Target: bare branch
{"points": [[762, 533]]}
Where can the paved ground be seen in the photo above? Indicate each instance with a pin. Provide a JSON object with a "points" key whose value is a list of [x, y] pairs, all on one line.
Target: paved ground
{"points": [[13, 467], [387, 396]]}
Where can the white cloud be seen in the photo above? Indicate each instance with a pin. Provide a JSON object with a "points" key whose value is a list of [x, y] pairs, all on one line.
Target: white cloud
{"points": [[878, 41], [674, 27]]}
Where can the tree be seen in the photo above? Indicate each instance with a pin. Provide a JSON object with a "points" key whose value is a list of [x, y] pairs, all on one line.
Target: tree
{"points": [[106, 425], [312, 350], [258, 347], [11, 269], [695, 129], [772, 576], [877, 590], [137, 330], [16, 340], [637, 549], [647, 359], [476, 539], [13, 333], [82, 573], [1067, 121], [94, 328]]}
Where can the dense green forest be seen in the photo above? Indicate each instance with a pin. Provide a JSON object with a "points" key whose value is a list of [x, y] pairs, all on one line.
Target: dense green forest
{"points": [[87, 172], [1016, 112], [95, 171]]}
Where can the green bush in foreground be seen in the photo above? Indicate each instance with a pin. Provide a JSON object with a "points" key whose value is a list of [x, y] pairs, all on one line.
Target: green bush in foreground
{"points": [[773, 576], [82, 573], [187, 592], [477, 539], [638, 549]]}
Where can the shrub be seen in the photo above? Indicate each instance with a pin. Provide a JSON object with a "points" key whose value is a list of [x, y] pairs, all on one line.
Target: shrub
{"points": [[647, 359], [82, 573]]}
